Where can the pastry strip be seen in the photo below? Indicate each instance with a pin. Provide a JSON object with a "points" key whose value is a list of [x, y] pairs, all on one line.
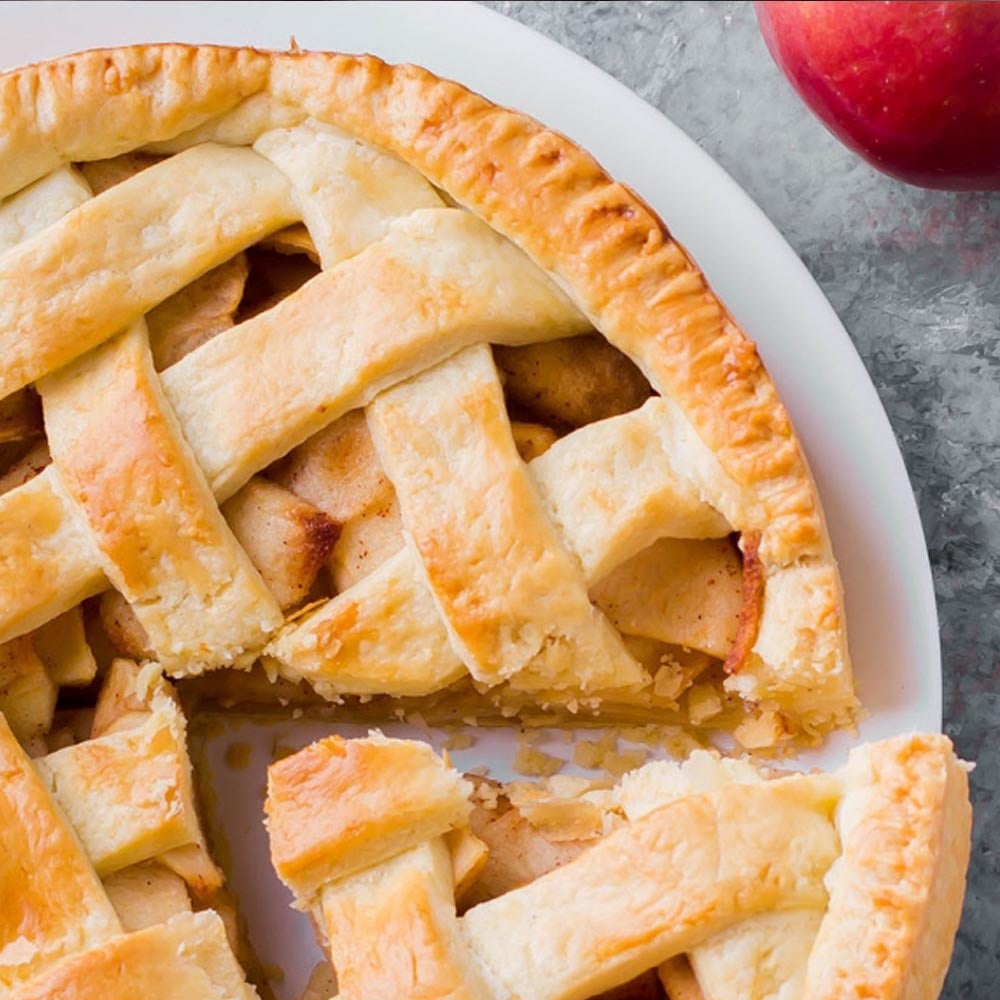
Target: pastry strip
{"points": [[896, 896], [349, 191], [659, 886], [35, 519], [110, 260], [439, 281], [48, 559], [376, 798], [710, 857], [763, 958], [38, 206], [164, 544], [513, 599], [129, 696], [638, 489], [529, 183], [393, 931], [644, 293], [383, 635], [127, 794], [52, 903], [187, 958]]}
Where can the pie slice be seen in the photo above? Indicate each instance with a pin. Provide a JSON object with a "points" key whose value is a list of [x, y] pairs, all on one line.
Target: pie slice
{"points": [[730, 882], [337, 369], [116, 807]]}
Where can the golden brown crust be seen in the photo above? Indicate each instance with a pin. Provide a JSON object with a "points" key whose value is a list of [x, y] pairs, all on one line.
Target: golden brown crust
{"points": [[53, 905], [896, 896], [393, 933], [187, 958], [712, 857], [646, 295], [128, 793], [155, 91], [81, 291], [658, 886], [339, 806], [164, 542], [610, 487], [44, 547], [530, 183], [512, 597]]}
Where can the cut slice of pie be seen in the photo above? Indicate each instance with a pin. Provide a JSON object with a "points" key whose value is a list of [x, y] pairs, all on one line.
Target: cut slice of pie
{"points": [[103, 861], [338, 368], [730, 882]]}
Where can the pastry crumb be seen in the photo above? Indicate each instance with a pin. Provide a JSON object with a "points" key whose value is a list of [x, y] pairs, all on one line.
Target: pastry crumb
{"points": [[704, 703], [591, 753], [621, 762], [534, 763], [763, 729], [459, 741]]}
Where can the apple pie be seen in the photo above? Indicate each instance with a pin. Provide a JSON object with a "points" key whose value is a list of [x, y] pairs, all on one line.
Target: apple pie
{"points": [[335, 370], [329, 383]]}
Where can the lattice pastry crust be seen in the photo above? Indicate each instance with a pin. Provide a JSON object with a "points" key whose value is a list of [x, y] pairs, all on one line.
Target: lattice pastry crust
{"points": [[443, 224], [101, 855], [806, 886]]}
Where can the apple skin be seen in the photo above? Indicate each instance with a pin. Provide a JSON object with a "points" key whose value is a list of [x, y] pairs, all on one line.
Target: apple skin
{"points": [[912, 87]]}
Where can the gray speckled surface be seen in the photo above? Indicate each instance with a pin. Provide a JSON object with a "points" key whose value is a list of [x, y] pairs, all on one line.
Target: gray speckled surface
{"points": [[914, 276]]}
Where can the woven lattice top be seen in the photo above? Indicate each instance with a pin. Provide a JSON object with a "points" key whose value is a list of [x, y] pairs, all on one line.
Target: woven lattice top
{"points": [[806, 886], [442, 225]]}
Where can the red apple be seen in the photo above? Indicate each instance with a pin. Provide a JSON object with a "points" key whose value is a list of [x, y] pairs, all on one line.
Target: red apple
{"points": [[913, 87]]}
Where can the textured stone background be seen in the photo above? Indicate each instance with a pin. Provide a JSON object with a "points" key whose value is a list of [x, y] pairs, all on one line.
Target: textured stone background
{"points": [[914, 277]]}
